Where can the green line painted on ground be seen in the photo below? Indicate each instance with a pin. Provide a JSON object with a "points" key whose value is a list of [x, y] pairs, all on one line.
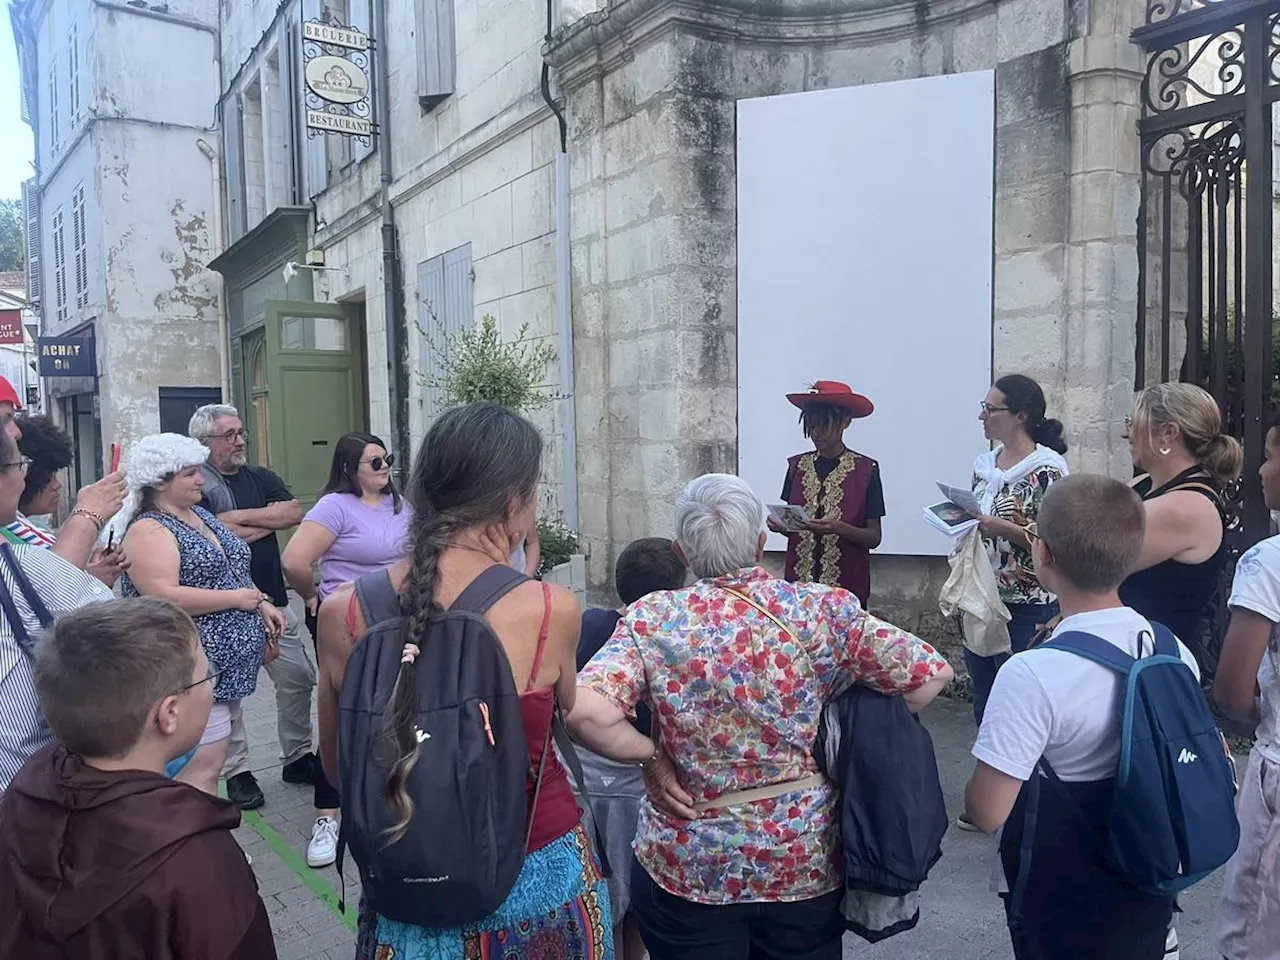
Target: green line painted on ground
{"points": [[289, 857], [308, 876]]}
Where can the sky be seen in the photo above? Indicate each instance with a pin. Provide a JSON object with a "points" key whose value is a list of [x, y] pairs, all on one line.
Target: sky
{"points": [[16, 154]]}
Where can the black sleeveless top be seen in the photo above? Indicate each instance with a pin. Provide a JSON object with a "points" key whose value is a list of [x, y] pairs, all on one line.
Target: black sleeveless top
{"points": [[1176, 594]]}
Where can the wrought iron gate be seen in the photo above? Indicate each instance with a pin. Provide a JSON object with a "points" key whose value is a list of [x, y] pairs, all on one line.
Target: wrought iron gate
{"points": [[1205, 226]]}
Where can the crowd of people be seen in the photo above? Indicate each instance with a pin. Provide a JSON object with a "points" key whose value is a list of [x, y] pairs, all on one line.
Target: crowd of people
{"points": [[515, 776]]}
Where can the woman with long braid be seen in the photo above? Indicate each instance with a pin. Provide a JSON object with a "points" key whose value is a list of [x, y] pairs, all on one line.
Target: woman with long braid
{"points": [[473, 490]]}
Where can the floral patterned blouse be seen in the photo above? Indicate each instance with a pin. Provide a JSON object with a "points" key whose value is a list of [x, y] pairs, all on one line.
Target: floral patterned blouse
{"points": [[738, 706], [1018, 501]]}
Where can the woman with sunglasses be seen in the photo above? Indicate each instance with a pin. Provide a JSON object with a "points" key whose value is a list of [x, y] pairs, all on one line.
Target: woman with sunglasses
{"points": [[358, 526]]}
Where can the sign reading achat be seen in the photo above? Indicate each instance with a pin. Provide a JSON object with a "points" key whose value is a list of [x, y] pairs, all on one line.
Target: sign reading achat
{"points": [[67, 357], [336, 78]]}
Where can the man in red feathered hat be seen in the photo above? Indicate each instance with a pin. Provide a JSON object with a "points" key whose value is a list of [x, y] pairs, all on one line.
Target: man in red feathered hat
{"points": [[839, 490]]}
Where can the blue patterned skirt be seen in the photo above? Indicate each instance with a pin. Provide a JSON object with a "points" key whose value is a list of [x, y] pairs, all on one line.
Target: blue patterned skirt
{"points": [[558, 910]]}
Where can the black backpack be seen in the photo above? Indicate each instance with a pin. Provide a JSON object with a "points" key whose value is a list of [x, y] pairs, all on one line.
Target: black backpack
{"points": [[467, 840]]}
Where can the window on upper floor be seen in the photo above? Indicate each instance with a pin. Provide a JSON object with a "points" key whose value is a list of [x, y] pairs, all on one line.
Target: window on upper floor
{"points": [[80, 240], [73, 76], [437, 51], [253, 146], [55, 134], [60, 267]]}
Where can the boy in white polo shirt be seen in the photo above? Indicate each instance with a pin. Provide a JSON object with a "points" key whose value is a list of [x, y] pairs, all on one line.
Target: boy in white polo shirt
{"points": [[1247, 688], [1064, 708]]}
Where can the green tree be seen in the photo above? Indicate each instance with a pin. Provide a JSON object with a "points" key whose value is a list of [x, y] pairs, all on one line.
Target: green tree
{"points": [[12, 240]]}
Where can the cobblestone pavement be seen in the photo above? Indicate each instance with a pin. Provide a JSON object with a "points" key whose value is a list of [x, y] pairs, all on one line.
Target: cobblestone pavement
{"points": [[960, 919]]}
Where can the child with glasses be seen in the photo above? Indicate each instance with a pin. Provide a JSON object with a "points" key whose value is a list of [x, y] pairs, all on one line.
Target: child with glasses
{"points": [[101, 855]]}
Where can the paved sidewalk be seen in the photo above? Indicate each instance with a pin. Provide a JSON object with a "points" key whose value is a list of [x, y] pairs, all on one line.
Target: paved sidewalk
{"points": [[961, 919]]}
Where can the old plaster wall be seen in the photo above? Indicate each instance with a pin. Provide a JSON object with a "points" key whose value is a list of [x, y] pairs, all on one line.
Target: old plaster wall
{"points": [[651, 90]]}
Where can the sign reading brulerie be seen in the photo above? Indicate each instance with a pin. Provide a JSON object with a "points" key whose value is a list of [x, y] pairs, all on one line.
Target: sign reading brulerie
{"points": [[10, 326], [336, 71], [67, 357]]}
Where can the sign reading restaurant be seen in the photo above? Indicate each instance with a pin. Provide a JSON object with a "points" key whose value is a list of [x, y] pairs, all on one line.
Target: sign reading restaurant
{"points": [[336, 78]]}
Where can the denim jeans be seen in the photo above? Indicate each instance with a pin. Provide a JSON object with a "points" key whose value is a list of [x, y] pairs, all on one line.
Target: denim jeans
{"points": [[1024, 619]]}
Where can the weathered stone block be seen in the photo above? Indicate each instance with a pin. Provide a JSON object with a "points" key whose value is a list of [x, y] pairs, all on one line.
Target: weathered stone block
{"points": [[1032, 149], [1030, 281], [765, 70], [1031, 215], [1027, 25], [491, 230], [1034, 85], [497, 275], [624, 360], [504, 163], [918, 56], [538, 262], [533, 204], [973, 43], [649, 73]]}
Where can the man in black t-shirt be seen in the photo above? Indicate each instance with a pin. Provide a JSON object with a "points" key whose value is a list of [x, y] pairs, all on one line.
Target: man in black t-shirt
{"points": [[255, 504]]}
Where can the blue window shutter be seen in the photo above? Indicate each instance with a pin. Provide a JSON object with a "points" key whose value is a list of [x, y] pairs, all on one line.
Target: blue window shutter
{"points": [[431, 330]]}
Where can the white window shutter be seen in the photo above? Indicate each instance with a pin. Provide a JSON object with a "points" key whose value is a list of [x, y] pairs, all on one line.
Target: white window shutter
{"points": [[73, 75], [31, 211], [54, 137]]}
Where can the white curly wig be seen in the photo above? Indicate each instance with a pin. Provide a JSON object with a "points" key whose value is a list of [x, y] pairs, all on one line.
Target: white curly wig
{"points": [[149, 463]]}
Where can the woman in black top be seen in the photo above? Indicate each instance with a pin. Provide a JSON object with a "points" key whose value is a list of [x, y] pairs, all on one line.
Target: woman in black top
{"points": [[1187, 463]]}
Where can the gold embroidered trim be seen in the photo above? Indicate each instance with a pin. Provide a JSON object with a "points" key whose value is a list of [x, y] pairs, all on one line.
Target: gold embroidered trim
{"points": [[827, 496]]}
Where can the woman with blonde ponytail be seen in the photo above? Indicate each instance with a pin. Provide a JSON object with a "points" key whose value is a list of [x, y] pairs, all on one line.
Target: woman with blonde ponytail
{"points": [[1187, 463], [474, 490]]}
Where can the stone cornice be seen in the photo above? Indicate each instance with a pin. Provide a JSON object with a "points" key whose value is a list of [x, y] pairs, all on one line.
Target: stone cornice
{"points": [[598, 41]]}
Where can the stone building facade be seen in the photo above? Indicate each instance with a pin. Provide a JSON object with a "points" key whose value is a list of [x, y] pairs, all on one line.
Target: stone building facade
{"points": [[120, 213], [616, 243], [650, 89]]}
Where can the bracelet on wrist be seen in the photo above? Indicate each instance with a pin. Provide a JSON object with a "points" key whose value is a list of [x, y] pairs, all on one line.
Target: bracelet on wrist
{"points": [[97, 520], [657, 751]]}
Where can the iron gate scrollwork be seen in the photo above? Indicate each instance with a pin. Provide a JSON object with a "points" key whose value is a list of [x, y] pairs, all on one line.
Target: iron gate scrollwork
{"points": [[1205, 247]]}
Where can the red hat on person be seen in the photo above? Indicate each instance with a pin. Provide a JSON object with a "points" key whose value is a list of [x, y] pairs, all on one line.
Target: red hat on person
{"points": [[834, 394], [9, 395]]}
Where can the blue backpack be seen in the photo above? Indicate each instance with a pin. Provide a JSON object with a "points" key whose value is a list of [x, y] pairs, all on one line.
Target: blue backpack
{"points": [[1173, 815]]}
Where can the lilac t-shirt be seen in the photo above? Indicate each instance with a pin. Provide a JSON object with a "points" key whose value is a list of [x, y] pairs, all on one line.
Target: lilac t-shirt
{"points": [[368, 538]]}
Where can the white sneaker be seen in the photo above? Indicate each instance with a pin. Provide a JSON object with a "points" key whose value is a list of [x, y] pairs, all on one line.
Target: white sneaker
{"points": [[1171, 951], [323, 848]]}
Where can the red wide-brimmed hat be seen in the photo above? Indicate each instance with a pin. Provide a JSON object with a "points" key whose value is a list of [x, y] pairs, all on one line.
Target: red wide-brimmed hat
{"points": [[835, 394]]}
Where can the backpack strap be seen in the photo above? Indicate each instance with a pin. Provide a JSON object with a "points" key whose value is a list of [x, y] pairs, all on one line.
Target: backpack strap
{"points": [[1091, 648], [570, 754], [1166, 644], [488, 588], [378, 599]]}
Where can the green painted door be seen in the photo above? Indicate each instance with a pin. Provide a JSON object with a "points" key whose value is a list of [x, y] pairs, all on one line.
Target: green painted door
{"points": [[315, 389]]}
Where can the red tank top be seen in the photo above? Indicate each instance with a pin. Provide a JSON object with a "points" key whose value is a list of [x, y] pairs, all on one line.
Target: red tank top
{"points": [[557, 810]]}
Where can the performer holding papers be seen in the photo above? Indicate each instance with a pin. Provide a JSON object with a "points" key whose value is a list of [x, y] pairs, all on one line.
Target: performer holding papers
{"points": [[839, 491]]}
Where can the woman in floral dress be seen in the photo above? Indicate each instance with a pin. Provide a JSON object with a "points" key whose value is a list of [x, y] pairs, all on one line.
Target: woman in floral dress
{"points": [[737, 701], [1009, 483]]}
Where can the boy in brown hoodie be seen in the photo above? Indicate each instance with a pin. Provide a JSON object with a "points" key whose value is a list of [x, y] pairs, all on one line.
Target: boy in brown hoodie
{"points": [[101, 856]]}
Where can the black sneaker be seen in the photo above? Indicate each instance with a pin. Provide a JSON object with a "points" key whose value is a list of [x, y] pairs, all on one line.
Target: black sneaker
{"points": [[244, 792], [302, 770]]}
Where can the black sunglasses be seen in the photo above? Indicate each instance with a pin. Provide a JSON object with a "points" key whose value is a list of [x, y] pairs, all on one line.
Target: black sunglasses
{"points": [[377, 462]]}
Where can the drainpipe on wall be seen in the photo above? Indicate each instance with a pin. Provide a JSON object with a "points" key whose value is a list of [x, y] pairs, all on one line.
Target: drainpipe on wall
{"points": [[224, 364], [392, 290], [564, 297]]}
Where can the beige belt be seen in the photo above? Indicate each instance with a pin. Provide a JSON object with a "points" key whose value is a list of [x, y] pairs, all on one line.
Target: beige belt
{"points": [[757, 794]]}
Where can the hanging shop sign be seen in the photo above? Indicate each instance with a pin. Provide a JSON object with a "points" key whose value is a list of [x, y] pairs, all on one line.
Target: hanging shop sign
{"points": [[67, 357], [10, 326], [336, 72]]}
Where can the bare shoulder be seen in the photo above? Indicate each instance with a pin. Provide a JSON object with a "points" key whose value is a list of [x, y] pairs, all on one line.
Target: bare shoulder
{"points": [[148, 533], [1188, 507]]}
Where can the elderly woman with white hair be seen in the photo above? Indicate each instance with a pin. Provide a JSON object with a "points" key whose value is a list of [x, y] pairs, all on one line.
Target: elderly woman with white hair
{"points": [[736, 669], [185, 554]]}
